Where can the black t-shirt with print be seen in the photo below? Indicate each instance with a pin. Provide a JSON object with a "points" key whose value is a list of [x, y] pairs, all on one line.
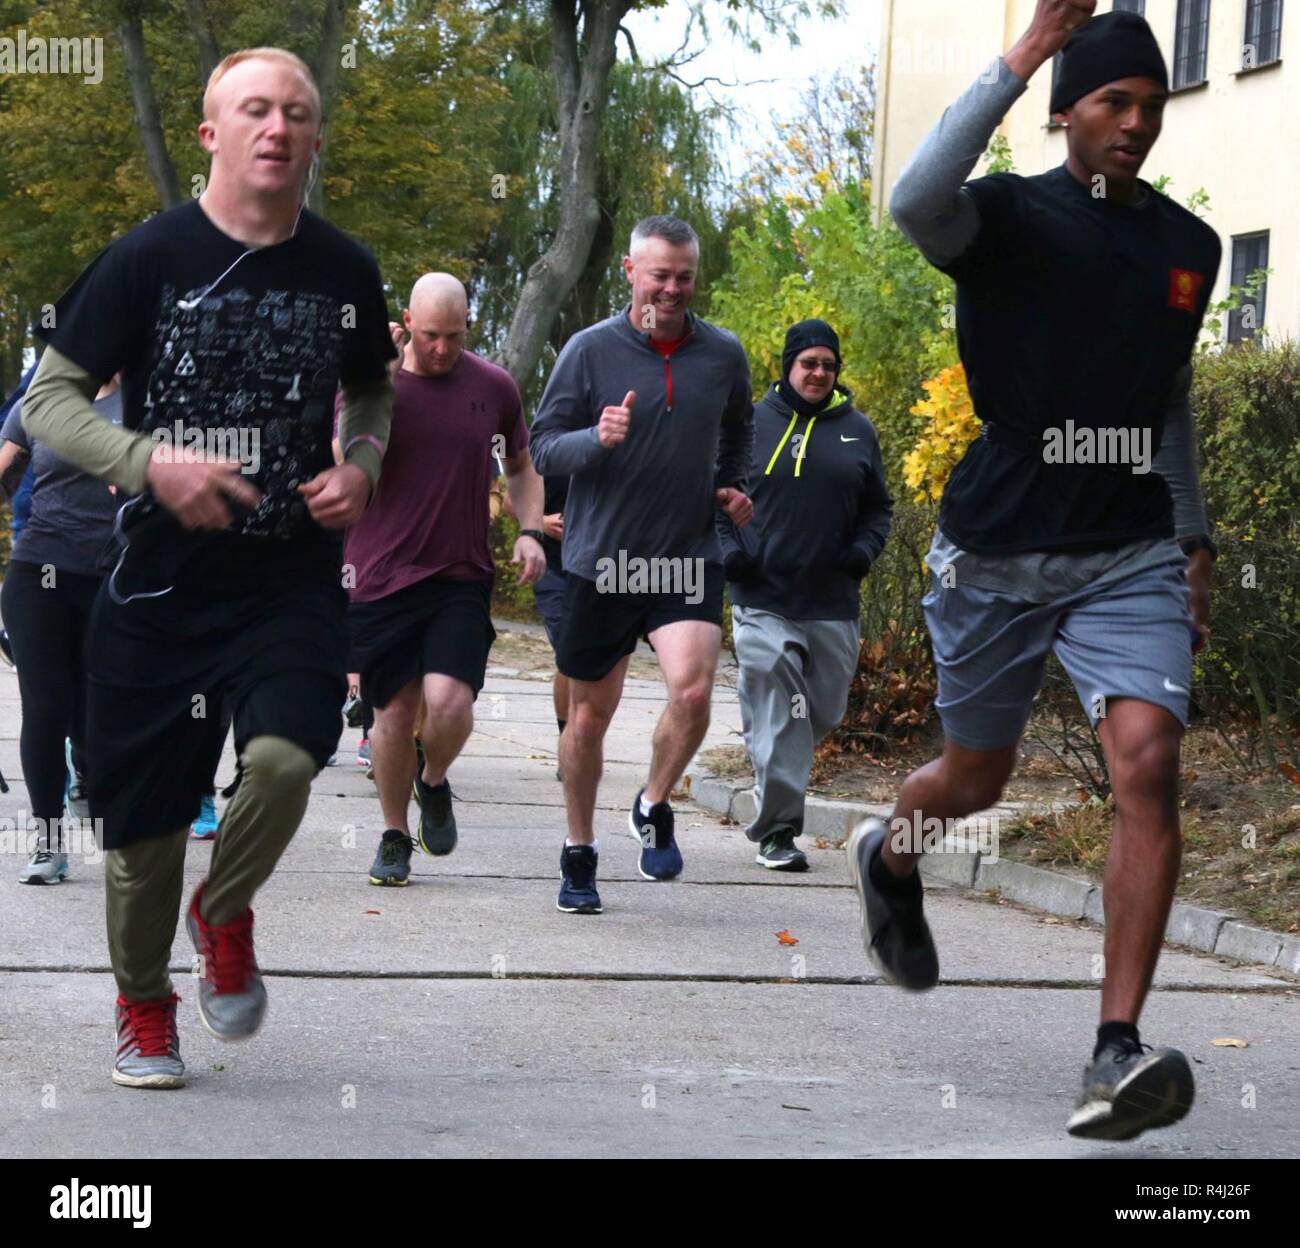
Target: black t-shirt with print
{"points": [[1070, 308], [257, 357]]}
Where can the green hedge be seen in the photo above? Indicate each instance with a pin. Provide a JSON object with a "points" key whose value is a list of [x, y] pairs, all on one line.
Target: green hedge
{"points": [[1247, 405]]}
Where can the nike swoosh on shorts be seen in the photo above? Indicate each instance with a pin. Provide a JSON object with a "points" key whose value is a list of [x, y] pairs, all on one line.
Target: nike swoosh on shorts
{"points": [[844, 439], [1173, 688]]}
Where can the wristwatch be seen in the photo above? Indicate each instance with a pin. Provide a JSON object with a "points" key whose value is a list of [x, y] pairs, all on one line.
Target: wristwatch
{"points": [[1201, 541], [536, 534]]}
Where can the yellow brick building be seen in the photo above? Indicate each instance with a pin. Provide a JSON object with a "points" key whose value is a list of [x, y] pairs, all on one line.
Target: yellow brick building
{"points": [[1232, 126]]}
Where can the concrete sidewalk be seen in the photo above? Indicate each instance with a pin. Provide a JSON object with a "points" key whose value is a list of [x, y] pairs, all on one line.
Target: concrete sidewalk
{"points": [[464, 1015]]}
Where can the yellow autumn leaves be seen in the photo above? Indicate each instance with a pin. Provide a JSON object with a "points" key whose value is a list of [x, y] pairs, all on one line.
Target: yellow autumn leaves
{"points": [[951, 426]]}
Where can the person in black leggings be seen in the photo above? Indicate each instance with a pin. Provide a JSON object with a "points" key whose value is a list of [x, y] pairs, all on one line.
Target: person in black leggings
{"points": [[52, 580]]}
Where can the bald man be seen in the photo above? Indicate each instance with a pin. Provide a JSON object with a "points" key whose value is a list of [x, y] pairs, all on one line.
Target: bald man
{"points": [[422, 564], [233, 320]]}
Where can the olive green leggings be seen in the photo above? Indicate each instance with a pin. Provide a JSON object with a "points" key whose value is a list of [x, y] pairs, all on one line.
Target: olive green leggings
{"points": [[145, 880]]}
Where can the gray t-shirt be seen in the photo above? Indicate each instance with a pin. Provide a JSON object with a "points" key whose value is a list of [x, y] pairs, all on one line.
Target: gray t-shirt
{"points": [[72, 512]]}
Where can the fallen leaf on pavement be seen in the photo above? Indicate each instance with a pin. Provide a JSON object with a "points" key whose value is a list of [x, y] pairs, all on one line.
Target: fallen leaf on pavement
{"points": [[373, 912], [1231, 1042], [783, 937], [1291, 773]]}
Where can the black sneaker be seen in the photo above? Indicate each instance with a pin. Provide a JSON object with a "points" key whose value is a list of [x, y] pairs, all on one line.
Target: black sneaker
{"points": [[354, 711], [437, 822], [578, 893], [392, 864], [778, 852], [660, 859], [894, 931], [1129, 1088]]}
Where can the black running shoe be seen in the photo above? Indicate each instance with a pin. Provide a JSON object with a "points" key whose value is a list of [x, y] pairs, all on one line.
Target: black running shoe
{"points": [[578, 893], [894, 931], [354, 711], [1129, 1088], [778, 852], [660, 859], [437, 822], [392, 864]]}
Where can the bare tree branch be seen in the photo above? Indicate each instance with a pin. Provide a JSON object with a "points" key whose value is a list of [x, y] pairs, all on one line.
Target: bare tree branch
{"points": [[631, 44]]}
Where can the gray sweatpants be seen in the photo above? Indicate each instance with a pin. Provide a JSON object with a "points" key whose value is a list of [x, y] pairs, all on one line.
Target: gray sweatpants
{"points": [[794, 686]]}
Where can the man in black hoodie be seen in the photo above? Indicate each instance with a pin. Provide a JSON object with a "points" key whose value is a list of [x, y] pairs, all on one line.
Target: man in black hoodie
{"points": [[821, 518]]}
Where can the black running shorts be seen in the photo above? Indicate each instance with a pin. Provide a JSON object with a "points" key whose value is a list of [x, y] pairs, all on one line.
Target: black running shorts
{"points": [[435, 625], [255, 621], [600, 628]]}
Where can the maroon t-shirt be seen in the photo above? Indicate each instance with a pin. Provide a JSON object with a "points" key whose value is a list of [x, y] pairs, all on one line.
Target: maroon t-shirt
{"points": [[429, 516]]}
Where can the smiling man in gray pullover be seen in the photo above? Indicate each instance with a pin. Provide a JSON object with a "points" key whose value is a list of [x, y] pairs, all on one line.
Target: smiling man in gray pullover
{"points": [[650, 413]]}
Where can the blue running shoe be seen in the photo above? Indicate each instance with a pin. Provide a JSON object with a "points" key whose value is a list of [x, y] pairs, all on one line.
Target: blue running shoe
{"points": [[578, 893], [204, 828], [660, 858]]}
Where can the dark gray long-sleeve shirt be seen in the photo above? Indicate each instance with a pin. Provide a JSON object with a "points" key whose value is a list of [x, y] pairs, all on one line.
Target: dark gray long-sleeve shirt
{"points": [[690, 434]]}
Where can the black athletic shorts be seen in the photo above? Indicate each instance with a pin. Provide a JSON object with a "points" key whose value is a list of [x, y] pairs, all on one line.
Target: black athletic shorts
{"points": [[600, 628], [435, 625], [259, 622]]}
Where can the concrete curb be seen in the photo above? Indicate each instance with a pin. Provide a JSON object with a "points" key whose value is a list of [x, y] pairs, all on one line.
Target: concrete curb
{"points": [[1067, 896]]}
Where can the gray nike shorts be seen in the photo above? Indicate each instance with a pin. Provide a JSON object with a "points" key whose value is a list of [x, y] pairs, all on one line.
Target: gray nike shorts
{"points": [[1127, 637]]}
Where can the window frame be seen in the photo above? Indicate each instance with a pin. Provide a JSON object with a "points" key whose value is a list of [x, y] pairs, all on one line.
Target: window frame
{"points": [[1181, 56], [1253, 8], [1235, 333]]}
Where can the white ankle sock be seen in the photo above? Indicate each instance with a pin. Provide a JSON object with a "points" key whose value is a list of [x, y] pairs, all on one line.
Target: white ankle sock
{"points": [[568, 843], [645, 806]]}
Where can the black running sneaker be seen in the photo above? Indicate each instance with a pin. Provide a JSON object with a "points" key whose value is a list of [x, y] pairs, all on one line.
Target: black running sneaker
{"points": [[392, 864], [354, 711], [1129, 1088], [778, 852], [578, 893], [437, 822], [660, 859], [894, 931]]}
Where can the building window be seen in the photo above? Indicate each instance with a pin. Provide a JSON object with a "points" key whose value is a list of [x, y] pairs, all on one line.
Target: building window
{"points": [[1262, 44], [1131, 6], [1191, 38], [1249, 252]]}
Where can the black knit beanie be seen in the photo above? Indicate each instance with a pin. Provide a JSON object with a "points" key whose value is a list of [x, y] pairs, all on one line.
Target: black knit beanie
{"points": [[807, 334], [1108, 48]]}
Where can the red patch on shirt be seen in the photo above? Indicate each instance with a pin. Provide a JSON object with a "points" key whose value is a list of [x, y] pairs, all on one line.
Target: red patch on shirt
{"points": [[1184, 286]]}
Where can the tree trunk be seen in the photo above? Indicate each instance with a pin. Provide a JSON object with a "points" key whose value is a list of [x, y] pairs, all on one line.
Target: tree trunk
{"points": [[161, 170], [334, 21], [579, 308], [209, 52], [581, 69], [13, 323]]}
